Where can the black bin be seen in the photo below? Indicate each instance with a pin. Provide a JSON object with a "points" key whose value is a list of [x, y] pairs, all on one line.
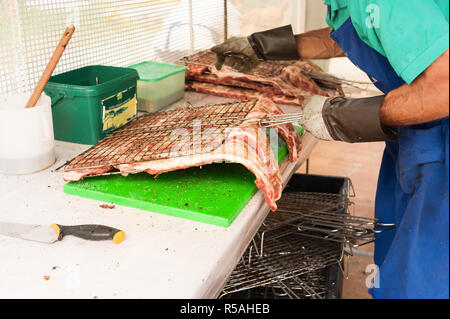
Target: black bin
{"points": [[306, 183], [334, 277]]}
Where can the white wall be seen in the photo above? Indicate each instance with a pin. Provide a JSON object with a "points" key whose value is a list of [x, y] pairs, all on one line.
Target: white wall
{"points": [[315, 15]]}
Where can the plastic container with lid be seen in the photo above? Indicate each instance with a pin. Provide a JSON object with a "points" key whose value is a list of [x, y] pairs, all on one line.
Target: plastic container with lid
{"points": [[159, 84], [91, 102]]}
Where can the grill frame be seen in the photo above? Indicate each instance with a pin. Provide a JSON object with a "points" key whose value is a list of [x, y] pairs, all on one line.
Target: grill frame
{"points": [[331, 274], [150, 137], [287, 261]]}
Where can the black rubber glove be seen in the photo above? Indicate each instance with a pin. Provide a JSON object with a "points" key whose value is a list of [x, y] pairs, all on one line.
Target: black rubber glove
{"points": [[243, 54], [237, 53], [357, 120], [348, 120]]}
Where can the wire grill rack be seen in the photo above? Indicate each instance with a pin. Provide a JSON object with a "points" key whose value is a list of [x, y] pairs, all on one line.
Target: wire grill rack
{"points": [[292, 252], [285, 260], [264, 70], [270, 69], [326, 216], [308, 286], [165, 135]]}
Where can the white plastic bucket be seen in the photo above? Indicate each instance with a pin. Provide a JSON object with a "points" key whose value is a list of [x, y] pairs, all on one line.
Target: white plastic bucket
{"points": [[26, 135]]}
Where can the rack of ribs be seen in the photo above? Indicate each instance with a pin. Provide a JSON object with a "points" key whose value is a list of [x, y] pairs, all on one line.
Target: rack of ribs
{"points": [[188, 137], [284, 82]]}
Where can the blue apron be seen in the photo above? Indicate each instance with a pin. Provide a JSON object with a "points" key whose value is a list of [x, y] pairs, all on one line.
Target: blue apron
{"points": [[412, 192]]}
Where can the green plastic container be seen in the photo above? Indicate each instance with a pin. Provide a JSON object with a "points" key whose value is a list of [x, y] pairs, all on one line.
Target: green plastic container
{"points": [[91, 102], [159, 85]]}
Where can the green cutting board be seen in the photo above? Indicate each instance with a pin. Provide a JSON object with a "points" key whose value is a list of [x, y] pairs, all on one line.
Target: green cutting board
{"points": [[214, 194]]}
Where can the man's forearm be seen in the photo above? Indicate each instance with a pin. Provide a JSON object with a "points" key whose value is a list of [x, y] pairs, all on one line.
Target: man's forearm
{"points": [[317, 44], [425, 100]]}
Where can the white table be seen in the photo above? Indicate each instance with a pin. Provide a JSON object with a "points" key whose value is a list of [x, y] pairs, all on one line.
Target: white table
{"points": [[161, 257]]}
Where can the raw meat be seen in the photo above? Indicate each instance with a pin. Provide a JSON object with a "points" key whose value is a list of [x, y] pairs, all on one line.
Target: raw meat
{"points": [[274, 79], [240, 93], [268, 177], [260, 87], [247, 144]]}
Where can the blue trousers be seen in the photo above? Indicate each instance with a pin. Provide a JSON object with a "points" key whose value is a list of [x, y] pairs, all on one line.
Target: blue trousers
{"points": [[413, 192]]}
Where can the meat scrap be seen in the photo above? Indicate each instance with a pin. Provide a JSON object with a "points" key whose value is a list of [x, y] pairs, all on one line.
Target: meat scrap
{"points": [[246, 144], [105, 206], [286, 82]]}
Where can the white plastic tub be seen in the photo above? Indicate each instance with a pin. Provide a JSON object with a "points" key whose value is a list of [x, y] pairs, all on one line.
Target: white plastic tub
{"points": [[26, 135], [159, 85]]}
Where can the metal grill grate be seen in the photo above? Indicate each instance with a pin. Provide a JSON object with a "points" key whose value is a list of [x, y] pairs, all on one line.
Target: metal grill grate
{"points": [[312, 285], [283, 262], [285, 259], [263, 70], [321, 202], [155, 136], [326, 216]]}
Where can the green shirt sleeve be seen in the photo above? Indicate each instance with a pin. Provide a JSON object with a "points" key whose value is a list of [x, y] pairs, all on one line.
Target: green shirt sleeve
{"points": [[338, 13], [411, 34]]}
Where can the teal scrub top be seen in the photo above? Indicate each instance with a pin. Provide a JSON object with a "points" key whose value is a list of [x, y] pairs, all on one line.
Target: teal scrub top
{"points": [[411, 34]]}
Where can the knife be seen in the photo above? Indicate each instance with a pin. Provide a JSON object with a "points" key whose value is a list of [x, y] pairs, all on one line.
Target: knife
{"points": [[54, 233]]}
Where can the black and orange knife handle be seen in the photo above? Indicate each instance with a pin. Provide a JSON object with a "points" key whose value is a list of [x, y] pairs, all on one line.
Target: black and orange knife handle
{"points": [[90, 232]]}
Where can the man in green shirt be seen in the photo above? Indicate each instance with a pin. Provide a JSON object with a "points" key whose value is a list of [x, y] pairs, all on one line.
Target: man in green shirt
{"points": [[403, 47]]}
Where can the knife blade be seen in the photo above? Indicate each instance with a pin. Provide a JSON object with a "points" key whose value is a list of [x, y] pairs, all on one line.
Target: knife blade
{"points": [[53, 233]]}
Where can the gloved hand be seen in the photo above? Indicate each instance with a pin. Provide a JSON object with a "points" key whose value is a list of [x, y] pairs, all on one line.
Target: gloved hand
{"points": [[237, 53], [313, 121], [243, 54], [348, 120]]}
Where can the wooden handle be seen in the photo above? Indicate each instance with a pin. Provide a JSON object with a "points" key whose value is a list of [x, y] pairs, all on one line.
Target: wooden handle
{"points": [[50, 67]]}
